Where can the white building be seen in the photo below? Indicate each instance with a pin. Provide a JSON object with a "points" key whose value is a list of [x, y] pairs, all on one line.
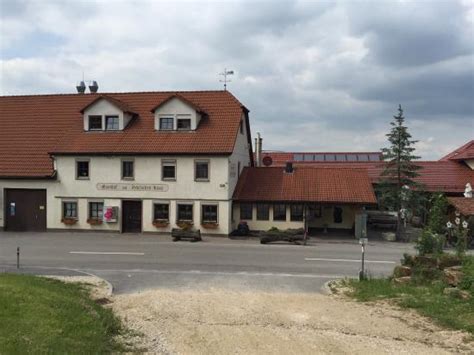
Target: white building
{"points": [[128, 162]]}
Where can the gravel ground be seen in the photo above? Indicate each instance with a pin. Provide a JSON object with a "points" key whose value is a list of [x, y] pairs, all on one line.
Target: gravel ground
{"points": [[225, 322]]}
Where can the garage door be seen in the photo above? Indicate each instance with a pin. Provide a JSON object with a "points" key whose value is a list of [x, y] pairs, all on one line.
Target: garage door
{"points": [[25, 210]]}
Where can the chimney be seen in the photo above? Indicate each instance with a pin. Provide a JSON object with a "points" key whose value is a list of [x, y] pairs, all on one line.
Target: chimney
{"points": [[289, 167], [258, 150], [93, 87], [81, 87]]}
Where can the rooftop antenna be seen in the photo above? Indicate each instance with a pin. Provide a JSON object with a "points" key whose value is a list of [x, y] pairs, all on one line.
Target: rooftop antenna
{"points": [[225, 80]]}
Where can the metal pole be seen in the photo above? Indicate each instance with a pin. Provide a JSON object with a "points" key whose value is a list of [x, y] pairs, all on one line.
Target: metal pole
{"points": [[18, 257]]}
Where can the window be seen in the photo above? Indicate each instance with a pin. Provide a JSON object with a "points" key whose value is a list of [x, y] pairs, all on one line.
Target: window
{"points": [[202, 170], [185, 213], [162, 211], [166, 123], [127, 169], [263, 212], [337, 215], [169, 170], [95, 123], [82, 169], [246, 211], [184, 123], [209, 213], [279, 212], [111, 123], [70, 209], [96, 210], [296, 212]]}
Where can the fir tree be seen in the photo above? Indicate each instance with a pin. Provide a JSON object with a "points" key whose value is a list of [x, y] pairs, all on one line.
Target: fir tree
{"points": [[397, 186]]}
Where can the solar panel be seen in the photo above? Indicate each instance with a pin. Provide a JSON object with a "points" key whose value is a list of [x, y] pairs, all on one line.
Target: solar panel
{"points": [[319, 157], [374, 157], [351, 157], [341, 157], [308, 157], [330, 157], [298, 157], [362, 157]]}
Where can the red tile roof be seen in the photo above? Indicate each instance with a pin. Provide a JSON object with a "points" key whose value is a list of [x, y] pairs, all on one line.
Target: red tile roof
{"points": [[446, 176], [462, 153], [325, 185], [33, 126], [464, 205]]}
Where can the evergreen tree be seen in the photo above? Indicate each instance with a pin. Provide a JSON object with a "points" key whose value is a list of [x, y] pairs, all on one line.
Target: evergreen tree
{"points": [[397, 187]]}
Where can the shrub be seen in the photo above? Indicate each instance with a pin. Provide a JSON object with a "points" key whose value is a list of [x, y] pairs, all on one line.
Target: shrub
{"points": [[437, 216], [447, 260], [429, 243], [407, 260]]}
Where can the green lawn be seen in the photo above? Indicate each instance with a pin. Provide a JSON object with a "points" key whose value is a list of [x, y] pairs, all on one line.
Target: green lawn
{"points": [[427, 298], [39, 315]]}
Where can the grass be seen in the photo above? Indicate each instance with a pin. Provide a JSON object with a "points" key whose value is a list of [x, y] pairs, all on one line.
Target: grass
{"points": [[425, 297], [40, 315]]}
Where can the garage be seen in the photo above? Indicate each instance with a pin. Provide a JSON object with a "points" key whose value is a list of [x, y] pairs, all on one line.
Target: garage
{"points": [[25, 210]]}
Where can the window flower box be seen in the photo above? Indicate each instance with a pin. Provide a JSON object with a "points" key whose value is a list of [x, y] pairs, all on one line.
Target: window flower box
{"points": [[209, 225], [160, 223], [185, 225], [69, 221], [94, 221]]}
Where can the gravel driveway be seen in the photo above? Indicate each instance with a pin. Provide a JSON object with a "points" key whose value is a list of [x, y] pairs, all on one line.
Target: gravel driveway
{"points": [[228, 322]]}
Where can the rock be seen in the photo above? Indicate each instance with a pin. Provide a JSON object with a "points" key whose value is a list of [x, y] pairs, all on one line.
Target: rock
{"points": [[453, 275], [402, 280], [425, 261], [400, 271], [389, 236], [456, 293]]}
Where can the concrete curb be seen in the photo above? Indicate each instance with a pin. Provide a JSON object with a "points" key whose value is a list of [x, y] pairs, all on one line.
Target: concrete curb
{"points": [[326, 289], [110, 287]]}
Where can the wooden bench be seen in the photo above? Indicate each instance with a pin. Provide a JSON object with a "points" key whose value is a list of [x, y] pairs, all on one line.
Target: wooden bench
{"points": [[192, 235]]}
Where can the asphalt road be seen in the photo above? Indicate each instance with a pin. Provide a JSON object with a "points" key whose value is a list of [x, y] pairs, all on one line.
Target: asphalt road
{"points": [[138, 262]]}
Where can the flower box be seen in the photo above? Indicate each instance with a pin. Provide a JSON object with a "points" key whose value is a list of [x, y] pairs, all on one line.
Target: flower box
{"points": [[69, 221], [209, 225], [159, 223], [94, 221], [185, 225]]}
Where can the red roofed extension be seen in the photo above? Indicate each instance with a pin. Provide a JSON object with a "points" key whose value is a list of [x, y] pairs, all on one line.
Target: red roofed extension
{"points": [[324, 185]]}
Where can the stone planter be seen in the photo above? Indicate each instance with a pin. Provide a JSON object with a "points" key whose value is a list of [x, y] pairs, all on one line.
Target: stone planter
{"points": [[185, 225], [210, 225]]}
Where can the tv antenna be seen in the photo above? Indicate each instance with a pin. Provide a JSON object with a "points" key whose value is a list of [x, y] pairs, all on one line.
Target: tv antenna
{"points": [[225, 73]]}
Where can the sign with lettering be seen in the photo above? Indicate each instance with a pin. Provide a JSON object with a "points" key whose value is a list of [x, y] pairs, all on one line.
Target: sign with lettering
{"points": [[131, 187]]}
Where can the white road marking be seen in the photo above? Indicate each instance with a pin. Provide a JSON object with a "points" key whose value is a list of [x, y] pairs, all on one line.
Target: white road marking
{"points": [[352, 260], [105, 253]]}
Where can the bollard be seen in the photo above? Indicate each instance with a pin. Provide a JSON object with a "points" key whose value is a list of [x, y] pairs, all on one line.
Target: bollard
{"points": [[18, 257]]}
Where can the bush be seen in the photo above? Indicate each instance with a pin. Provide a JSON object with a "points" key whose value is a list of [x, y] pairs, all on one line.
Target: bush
{"points": [[447, 260], [408, 260], [437, 217], [429, 243], [467, 282]]}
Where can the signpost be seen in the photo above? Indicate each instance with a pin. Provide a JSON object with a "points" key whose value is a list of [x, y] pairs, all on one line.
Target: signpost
{"points": [[363, 242]]}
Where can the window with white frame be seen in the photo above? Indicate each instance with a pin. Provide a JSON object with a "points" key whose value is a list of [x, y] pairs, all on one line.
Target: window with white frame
{"points": [[185, 212], [184, 124], [246, 211], [82, 169], [168, 170], [112, 123], [96, 210], [161, 211], [209, 214], [127, 169], [166, 123], [70, 209], [279, 212], [201, 170], [95, 123]]}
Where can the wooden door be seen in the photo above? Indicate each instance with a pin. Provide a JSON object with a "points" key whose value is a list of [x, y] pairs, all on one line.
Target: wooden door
{"points": [[131, 216], [25, 210]]}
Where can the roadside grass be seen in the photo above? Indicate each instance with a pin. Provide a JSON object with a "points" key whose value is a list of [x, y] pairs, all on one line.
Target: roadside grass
{"points": [[425, 297], [40, 315]]}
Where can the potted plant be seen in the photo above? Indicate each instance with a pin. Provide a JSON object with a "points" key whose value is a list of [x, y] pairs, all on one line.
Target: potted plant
{"points": [[209, 225], [160, 223], [94, 221], [185, 225], [69, 221]]}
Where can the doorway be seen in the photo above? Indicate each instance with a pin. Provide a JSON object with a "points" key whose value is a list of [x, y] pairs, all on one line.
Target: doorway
{"points": [[25, 210], [131, 216]]}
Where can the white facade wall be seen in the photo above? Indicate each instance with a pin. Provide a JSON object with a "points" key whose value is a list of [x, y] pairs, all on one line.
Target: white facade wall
{"points": [[178, 109], [105, 108]]}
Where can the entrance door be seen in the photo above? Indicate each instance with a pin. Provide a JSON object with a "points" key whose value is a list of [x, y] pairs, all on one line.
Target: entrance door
{"points": [[25, 210], [131, 216]]}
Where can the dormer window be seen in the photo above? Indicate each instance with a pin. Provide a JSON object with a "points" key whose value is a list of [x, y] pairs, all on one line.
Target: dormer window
{"points": [[95, 123], [112, 123], [166, 123], [184, 123]]}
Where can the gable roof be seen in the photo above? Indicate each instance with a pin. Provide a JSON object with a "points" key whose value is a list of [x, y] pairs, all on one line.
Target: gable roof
{"points": [[464, 205], [462, 153], [119, 104], [33, 126], [182, 98], [320, 185]]}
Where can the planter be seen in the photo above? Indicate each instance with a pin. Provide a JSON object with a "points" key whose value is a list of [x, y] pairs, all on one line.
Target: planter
{"points": [[185, 225], [69, 221], [210, 225], [94, 221], [160, 223]]}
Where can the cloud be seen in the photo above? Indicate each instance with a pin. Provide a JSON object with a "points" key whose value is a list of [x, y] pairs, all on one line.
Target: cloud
{"points": [[315, 75]]}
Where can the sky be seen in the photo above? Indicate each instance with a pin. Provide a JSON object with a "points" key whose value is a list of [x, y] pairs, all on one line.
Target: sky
{"points": [[316, 76]]}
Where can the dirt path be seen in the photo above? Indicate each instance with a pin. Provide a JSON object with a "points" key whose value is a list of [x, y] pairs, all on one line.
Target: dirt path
{"points": [[225, 322]]}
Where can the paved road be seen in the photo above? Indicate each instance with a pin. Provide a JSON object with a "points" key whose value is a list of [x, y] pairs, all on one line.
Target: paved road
{"points": [[138, 262]]}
